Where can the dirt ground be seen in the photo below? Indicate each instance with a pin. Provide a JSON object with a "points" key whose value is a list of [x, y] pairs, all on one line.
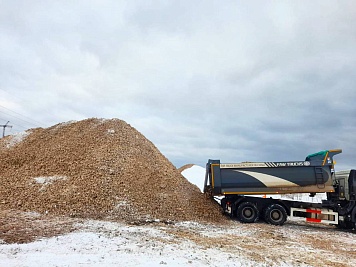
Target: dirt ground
{"points": [[24, 227], [294, 244]]}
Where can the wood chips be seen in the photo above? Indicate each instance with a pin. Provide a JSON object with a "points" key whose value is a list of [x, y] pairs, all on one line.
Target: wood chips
{"points": [[97, 168]]}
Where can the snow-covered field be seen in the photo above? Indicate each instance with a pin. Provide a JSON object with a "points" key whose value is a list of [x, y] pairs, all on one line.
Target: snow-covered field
{"points": [[106, 243], [103, 243]]}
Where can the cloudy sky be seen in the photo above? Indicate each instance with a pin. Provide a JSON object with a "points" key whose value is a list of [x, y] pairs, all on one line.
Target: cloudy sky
{"points": [[229, 80]]}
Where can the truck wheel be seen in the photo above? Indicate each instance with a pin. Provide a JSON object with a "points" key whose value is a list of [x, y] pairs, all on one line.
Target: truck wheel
{"points": [[247, 212], [275, 214], [347, 225]]}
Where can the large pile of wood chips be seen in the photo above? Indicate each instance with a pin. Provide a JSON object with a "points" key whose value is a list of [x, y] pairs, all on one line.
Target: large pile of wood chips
{"points": [[96, 168]]}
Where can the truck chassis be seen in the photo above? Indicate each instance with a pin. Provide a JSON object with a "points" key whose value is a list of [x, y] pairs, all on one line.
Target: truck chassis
{"points": [[249, 209]]}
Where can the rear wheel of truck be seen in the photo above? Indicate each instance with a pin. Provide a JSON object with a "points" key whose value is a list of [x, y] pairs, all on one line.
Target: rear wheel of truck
{"points": [[247, 212], [275, 214]]}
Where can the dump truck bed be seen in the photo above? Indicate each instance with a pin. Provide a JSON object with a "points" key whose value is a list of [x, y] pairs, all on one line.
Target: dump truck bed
{"points": [[313, 175]]}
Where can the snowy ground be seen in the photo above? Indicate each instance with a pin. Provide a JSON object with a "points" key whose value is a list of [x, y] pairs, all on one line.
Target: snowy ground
{"points": [[104, 243], [16, 138], [113, 244]]}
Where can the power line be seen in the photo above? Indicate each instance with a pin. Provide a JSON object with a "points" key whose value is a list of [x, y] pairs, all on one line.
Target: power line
{"points": [[15, 125], [38, 123], [19, 126], [28, 122]]}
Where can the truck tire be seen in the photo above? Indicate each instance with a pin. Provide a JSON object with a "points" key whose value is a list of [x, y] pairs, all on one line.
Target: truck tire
{"points": [[345, 225], [275, 214], [247, 212]]}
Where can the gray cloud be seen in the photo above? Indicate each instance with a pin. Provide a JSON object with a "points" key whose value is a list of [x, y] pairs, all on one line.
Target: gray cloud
{"points": [[236, 81]]}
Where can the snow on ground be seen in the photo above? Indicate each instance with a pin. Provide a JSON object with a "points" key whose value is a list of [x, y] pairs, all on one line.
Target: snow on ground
{"points": [[104, 243], [63, 124], [16, 138], [45, 180], [112, 244]]}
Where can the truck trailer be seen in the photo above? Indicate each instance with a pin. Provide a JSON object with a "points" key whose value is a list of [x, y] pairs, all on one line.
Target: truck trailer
{"points": [[239, 183]]}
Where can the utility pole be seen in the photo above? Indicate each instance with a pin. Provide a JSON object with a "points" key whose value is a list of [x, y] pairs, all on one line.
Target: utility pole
{"points": [[4, 127]]}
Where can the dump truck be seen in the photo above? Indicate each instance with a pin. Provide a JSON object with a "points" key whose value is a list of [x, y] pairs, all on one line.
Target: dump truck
{"points": [[239, 183]]}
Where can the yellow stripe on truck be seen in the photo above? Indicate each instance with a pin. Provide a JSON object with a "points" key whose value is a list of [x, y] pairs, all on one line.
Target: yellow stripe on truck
{"points": [[212, 174], [326, 156]]}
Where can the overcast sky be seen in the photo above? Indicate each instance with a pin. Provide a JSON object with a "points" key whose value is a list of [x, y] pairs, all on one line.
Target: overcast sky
{"points": [[230, 80]]}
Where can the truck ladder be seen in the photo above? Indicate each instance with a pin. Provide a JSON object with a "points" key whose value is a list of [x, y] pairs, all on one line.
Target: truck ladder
{"points": [[319, 176]]}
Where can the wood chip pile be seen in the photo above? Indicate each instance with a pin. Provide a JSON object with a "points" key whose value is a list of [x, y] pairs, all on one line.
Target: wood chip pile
{"points": [[96, 168]]}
